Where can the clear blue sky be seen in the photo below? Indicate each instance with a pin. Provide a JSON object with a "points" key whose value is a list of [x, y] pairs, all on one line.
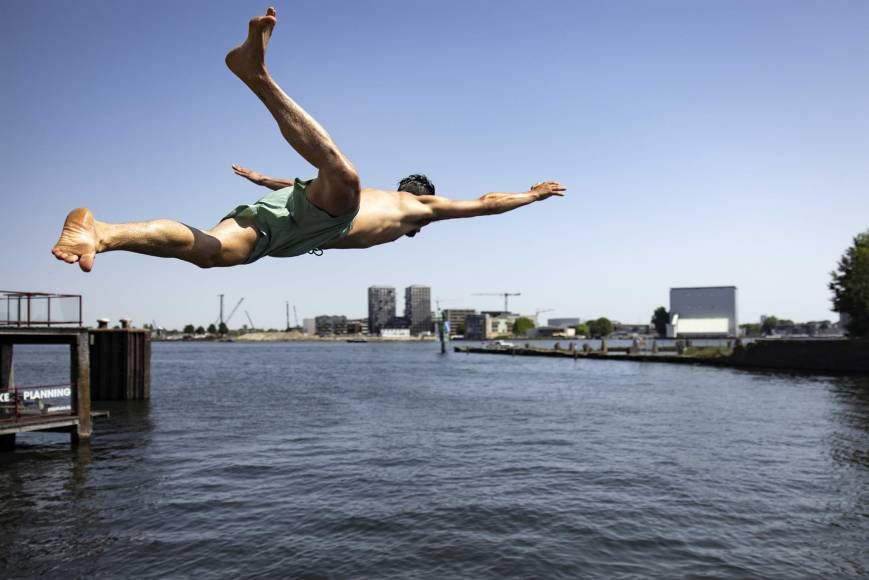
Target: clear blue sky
{"points": [[702, 143]]}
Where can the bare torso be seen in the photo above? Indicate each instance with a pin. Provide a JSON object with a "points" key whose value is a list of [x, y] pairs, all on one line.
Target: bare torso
{"points": [[384, 216]]}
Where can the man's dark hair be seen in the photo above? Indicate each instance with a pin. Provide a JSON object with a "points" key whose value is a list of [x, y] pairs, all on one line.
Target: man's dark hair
{"points": [[417, 184]]}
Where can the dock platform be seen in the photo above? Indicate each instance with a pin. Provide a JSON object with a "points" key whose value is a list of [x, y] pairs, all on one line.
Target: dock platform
{"points": [[60, 407]]}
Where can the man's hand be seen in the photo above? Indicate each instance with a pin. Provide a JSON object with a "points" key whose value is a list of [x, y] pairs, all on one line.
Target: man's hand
{"points": [[248, 174], [547, 189]]}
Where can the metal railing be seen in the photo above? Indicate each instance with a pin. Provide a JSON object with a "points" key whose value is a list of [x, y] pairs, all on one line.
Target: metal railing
{"points": [[34, 309], [23, 403]]}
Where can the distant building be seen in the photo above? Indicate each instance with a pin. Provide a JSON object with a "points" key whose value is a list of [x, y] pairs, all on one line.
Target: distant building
{"points": [[552, 332], [475, 326], [705, 311], [563, 322], [395, 332], [381, 307], [398, 322], [309, 326], [486, 326], [624, 328], [844, 321], [357, 326], [456, 317], [417, 309], [329, 325]]}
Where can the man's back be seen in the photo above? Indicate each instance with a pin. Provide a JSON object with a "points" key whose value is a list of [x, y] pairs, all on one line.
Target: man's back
{"points": [[384, 216]]}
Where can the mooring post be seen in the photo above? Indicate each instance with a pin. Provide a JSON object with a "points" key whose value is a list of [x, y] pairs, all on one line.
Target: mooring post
{"points": [[80, 377], [7, 381]]}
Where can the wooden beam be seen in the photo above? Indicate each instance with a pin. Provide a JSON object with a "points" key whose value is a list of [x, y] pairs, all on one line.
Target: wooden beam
{"points": [[80, 376], [7, 374]]}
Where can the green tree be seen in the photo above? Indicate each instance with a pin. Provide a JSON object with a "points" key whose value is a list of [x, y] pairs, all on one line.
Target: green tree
{"points": [[850, 286], [189, 329], [600, 328], [751, 329], [200, 330], [768, 325], [522, 325], [660, 320], [582, 330], [212, 329], [223, 329]]}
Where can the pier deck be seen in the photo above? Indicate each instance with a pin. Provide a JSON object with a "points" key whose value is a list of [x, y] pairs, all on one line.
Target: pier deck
{"points": [[29, 408]]}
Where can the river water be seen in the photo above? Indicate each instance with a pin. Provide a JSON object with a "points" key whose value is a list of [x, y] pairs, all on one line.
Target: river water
{"points": [[331, 460]]}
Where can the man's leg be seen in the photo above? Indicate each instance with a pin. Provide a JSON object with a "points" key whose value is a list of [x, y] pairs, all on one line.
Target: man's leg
{"points": [[229, 243], [336, 189]]}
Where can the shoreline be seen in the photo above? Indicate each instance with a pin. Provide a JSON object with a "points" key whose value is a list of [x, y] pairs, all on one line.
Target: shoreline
{"points": [[844, 357], [299, 337]]}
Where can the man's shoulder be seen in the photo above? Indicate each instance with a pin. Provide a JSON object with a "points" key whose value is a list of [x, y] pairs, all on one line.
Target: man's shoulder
{"points": [[397, 197]]}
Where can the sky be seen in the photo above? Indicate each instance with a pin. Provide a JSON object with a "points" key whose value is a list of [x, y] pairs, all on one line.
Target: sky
{"points": [[702, 143]]}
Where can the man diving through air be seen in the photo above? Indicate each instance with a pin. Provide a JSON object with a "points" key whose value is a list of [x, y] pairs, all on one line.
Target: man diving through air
{"points": [[298, 217]]}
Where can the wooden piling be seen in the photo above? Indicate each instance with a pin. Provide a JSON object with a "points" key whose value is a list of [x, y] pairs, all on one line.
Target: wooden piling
{"points": [[80, 378], [7, 377], [7, 381], [120, 362]]}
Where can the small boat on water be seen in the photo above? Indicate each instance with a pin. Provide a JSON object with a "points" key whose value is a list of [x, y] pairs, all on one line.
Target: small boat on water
{"points": [[357, 340], [500, 344]]}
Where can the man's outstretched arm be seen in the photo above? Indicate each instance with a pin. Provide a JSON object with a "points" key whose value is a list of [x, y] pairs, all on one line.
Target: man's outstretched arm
{"points": [[443, 208], [261, 179]]}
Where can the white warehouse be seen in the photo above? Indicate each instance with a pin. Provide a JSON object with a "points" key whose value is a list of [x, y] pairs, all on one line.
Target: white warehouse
{"points": [[709, 311]]}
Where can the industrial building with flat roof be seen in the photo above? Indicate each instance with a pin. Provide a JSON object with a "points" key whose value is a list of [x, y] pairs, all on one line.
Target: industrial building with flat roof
{"points": [[703, 312]]}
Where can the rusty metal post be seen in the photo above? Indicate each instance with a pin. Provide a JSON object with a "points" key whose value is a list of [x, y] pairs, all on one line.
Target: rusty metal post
{"points": [[80, 378]]}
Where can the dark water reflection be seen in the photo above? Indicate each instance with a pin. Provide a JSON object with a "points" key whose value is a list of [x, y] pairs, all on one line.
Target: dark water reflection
{"points": [[373, 460]]}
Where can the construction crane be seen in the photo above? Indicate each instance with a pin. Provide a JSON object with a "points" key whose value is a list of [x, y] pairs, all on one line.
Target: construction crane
{"points": [[220, 318], [506, 296], [439, 301], [540, 311], [246, 313], [295, 316], [237, 304]]}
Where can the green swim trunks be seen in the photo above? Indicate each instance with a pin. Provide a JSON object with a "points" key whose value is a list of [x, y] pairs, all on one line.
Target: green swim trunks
{"points": [[290, 225]]}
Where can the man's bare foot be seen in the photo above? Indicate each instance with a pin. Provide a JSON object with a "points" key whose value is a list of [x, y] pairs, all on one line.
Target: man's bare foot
{"points": [[248, 60], [78, 240]]}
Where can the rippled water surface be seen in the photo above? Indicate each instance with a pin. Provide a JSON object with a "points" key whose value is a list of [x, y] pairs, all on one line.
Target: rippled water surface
{"points": [[392, 461]]}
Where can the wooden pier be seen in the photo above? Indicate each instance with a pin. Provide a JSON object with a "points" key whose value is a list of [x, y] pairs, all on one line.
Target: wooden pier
{"points": [[105, 364], [75, 418]]}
